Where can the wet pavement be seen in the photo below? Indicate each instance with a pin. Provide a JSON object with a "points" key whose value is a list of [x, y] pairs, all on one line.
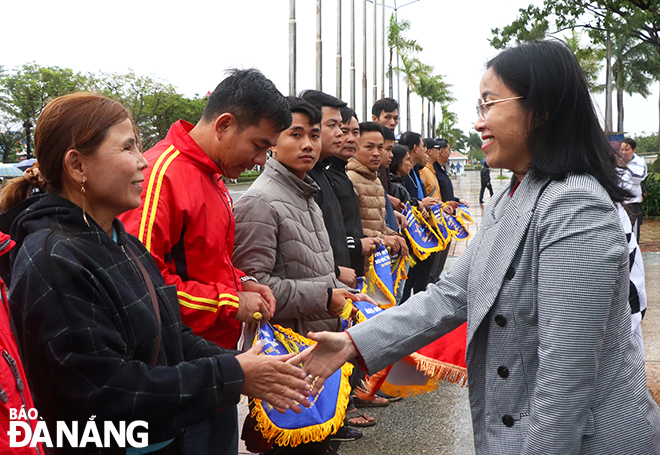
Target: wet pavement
{"points": [[439, 422]]}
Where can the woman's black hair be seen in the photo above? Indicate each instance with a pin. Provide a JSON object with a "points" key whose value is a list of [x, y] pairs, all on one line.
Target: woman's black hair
{"points": [[398, 154], [564, 134]]}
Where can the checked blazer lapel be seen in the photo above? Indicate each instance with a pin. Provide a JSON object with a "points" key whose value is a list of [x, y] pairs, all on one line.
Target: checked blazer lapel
{"points": [[503, 231]]}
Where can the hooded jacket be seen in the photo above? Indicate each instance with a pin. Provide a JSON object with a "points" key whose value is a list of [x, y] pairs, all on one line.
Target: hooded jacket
{"points": [[281, 240], [87, 328]]}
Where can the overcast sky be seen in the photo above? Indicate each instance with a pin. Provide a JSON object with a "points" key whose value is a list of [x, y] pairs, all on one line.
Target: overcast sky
{"points": [[190, 44]]}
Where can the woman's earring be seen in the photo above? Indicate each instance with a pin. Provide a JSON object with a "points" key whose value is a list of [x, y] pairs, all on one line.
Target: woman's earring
{"points": [[82, 190]]}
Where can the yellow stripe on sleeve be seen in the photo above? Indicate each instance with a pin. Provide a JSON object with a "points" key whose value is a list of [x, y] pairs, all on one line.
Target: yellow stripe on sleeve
{"points": [[154, 206], [150, 187]]}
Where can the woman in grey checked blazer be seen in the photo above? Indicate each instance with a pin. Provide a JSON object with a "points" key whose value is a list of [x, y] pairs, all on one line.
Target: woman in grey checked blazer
{"points": [[552, 365]]}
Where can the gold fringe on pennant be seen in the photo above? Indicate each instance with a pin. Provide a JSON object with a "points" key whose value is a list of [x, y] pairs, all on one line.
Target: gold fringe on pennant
{"points": [[372, 277], [421, 252], [400, 274], [313, 433], [442, 371], [410, 390], [370, 387], [437, 230], [463, 217]]}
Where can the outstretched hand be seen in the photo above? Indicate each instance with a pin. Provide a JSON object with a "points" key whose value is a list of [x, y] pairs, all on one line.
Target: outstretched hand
{"points": [[274, 379], [331, 351]]}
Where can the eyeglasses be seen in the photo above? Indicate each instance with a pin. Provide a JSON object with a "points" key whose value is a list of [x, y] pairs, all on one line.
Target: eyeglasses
{"points": [[482, 105]]}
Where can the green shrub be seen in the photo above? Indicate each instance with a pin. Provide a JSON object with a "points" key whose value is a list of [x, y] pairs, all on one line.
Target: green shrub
{"points": [[651, 202]]}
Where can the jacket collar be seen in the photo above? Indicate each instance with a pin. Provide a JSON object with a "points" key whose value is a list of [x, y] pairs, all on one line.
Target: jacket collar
{"points": [[306, 187], [510, 217], [337, 163], [356, 166], [179, 135]]}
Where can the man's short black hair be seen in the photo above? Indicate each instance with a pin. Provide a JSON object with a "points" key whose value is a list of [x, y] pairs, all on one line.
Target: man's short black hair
{"points": [[320, 100], [370, 127], [300, 106], [631, 142], [388, 135], [442, 143], [384, 105], [347, 114], [410, 139], [250, 97]]}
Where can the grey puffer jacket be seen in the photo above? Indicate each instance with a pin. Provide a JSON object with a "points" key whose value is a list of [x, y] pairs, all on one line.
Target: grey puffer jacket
{"points": [[282, 241]]}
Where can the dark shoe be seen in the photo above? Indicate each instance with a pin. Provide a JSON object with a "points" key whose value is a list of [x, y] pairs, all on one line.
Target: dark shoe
{"points": [[389, 398], [346, 434]]}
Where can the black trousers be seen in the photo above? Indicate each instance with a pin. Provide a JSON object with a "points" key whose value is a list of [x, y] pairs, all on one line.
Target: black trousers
{"points": [[483, 189]]}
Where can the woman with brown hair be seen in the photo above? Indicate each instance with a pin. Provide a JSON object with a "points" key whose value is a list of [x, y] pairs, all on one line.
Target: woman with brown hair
{"points": [[99, 331]]}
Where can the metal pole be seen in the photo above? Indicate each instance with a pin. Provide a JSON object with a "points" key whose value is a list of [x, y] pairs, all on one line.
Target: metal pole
{"points": [[352, 81], [382, 76], [292, 48], [398, 79], [364, 61], [319, 48], [375, 88], [608, 85], [338, 91]]}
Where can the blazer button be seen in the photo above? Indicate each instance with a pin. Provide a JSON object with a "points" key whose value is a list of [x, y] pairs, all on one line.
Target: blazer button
{"points": [[507, 420], [510, 273], [503, 372], [500, 320]]}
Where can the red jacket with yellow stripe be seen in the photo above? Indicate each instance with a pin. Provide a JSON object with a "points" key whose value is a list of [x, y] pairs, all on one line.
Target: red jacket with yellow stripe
{"points": [[186, 222]]}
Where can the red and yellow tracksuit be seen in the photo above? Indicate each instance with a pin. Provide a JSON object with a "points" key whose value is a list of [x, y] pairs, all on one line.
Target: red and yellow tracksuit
{"points": [[186, 222]]}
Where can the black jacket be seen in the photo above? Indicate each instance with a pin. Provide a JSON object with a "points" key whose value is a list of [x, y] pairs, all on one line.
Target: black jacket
{"points": [[87, 328], [332, 213], [446, 187], [398, 189], [485, 175], [411, 185], [343, 188]]}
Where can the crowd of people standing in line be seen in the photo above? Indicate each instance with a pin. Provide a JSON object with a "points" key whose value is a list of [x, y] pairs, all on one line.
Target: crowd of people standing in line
{"points": [[131, 279]]}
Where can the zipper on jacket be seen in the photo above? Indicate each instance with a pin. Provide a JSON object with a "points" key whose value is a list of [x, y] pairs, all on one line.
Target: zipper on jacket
{"points": [[4, 245], [130, 261], [19, 383], [230, 215]]}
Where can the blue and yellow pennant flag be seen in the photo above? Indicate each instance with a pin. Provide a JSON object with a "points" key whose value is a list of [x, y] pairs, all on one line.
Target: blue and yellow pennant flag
{"points": [[423, 239], [451, 226], [384, 275], [314, 424], [459, 221], [437, 222]]}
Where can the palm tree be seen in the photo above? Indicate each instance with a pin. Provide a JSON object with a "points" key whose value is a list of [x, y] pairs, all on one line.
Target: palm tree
{"points": [[441, 94], [399, 44], [633, 70], [411, 68], [590, 59], [425, 88]]}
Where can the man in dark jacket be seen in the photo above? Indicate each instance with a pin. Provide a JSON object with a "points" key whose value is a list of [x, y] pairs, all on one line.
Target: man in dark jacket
{"points": [[359, 244], [331, 139], [485, 181]]}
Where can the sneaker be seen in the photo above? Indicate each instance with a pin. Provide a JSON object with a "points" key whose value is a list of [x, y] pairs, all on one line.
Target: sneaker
{"points": [[346, 434]]}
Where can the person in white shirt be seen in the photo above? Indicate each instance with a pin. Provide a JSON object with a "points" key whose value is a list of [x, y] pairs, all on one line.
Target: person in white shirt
{"points": [[633, 172]]}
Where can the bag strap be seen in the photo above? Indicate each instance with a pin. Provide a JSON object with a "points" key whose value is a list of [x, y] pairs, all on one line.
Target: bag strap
{"points": [[154, 302]]}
